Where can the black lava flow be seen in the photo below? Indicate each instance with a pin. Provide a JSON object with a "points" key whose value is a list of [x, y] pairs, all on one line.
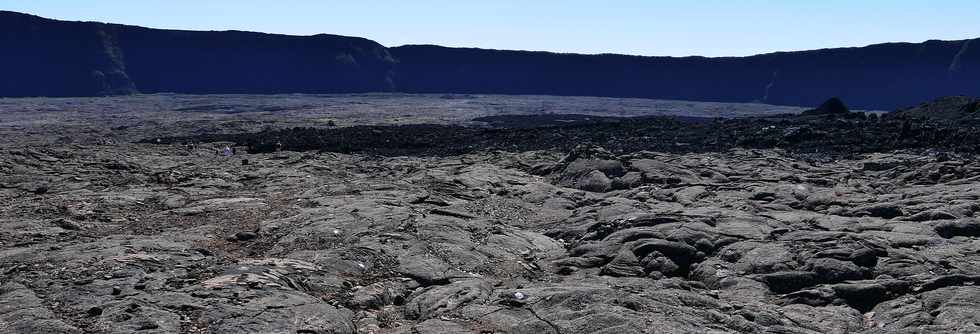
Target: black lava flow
{"points": [[830, 135]]}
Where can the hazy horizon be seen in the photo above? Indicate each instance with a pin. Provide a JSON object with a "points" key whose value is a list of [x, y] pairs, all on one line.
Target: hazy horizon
{"points": [[649, 28]]}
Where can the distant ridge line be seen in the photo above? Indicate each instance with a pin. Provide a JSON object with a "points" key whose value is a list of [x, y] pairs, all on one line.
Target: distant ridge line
{"points": [[45, 57]]}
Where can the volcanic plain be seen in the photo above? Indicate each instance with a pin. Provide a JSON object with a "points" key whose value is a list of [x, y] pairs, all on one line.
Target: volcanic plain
{"points": [[396, 213]]}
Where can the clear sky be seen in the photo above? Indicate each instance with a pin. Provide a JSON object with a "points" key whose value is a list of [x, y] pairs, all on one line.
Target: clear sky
{"points": [[652, 27]]}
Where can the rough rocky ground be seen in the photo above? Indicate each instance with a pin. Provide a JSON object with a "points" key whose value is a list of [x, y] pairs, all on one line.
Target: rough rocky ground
{"points": [[824, 136], [99, 234]]}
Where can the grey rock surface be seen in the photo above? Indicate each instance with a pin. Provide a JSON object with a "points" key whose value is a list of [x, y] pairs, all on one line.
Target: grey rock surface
{"points": [[133, 238]]}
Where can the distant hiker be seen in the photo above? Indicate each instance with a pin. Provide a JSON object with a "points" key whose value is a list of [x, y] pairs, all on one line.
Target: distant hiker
{"points": [[228, 152]]}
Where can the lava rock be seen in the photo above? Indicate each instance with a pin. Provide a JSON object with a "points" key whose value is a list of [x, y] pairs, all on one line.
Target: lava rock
{"points": [[789, 281], [438, 300], [67, 224], [965, 228], [625, 264], [594, 181], [881, 210], [931, 215], [243, 236], [833, 106], [834, 271], [41, 190], [94, 311], [681, 254]]}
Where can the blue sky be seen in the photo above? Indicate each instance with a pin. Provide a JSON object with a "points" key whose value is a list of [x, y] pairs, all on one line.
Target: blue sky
{"points": [[671, 28]]}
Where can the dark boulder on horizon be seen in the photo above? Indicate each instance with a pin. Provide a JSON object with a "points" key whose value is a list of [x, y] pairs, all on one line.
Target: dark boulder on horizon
{"points": [[44, 57], [833, 106]]}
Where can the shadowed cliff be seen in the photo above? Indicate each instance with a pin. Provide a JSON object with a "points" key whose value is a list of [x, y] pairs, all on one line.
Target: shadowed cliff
{"points": [[883, 76], [56, 58]]}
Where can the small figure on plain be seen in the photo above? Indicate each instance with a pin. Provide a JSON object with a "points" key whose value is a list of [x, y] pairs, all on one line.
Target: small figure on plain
{"points": [[228, 152]]}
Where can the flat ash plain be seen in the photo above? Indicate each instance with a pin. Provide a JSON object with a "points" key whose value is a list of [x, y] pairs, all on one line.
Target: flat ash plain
{"points": [[449, 214]]}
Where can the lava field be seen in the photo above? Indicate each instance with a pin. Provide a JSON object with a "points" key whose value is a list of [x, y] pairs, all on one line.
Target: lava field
{"points": [[128, 215]]}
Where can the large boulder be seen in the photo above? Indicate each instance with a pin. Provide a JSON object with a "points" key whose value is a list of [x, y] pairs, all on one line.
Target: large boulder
{"points": [[833, 106], [963, 227], [588, 168]]}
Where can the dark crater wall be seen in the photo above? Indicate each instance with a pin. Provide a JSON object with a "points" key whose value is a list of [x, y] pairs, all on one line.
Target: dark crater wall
{"points": [[54, 58], [43, 57], [883, 76]]}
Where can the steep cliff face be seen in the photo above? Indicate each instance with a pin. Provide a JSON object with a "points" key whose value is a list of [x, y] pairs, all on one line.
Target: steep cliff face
{"points": [[246, 62], [44, 57], [884, 76], [55, 58]]}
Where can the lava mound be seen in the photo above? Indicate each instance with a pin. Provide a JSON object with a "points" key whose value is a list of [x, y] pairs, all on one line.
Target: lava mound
{"points": [[950, 108], [832, 106]]}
